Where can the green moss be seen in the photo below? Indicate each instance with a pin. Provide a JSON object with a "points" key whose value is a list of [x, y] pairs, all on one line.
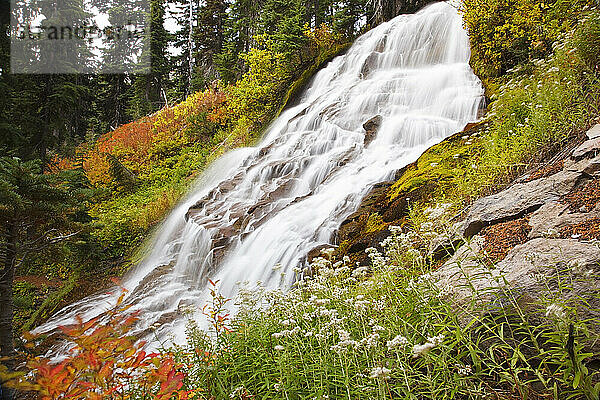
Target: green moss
{"points": [[343, 247], [374, 223], [440, 166]]}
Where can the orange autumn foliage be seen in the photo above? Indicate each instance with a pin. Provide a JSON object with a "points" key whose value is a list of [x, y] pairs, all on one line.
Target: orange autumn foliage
{"points": [[132, 143], [105, 362]]}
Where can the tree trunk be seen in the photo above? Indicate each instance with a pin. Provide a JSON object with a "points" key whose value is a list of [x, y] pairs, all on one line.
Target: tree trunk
{"points": [[7, 350]]}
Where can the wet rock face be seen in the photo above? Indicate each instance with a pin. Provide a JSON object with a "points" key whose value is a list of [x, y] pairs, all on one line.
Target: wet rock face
{"points": [[370, 64], [371, 127], [390, 207]]}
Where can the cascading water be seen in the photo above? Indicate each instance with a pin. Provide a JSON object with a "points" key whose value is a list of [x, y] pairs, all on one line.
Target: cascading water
{"points": [[260, 207]]}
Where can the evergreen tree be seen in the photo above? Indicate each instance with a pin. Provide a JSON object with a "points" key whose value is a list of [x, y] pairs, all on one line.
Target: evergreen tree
{"points": [[50, 111], [34, 214], [9, 139], [149, 91], [209, 37], [283, 21], [47, 111], [185, 12], [109, 104], [241, 26], [348, 16]]}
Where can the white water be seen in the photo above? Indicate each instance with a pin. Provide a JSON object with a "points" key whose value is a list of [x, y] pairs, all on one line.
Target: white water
{"points": [[313, 156]]}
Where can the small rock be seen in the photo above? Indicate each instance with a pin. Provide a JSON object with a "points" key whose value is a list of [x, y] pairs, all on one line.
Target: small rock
{"points": [[594, 132], [592, 145]]}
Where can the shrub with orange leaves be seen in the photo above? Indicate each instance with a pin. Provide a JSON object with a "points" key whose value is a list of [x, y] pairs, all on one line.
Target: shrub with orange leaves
{"points": [[105, 362], [133, 143]]}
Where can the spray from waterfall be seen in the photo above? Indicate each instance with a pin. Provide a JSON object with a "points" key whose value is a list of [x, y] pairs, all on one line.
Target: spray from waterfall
{"points": [[259, 207]]}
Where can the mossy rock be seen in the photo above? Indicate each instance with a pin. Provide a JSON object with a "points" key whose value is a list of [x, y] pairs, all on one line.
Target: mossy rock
{"points": [[389, 203], [440, 164]]}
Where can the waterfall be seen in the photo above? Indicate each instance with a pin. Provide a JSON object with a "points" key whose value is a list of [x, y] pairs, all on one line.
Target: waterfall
{"points": [[260, 207]]}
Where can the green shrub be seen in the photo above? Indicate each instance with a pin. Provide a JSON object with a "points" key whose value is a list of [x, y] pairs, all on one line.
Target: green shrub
{"points": [[506, 33], [587, 41]]}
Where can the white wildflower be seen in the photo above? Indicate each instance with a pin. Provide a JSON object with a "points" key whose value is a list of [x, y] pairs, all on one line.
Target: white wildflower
{"points": [[155, 326], [380, 373], [279, 347], [239, 392], [555, 311], [464, 370], [422, 349], [397, 342], [328, 252], [360, 272], [370, 341]]}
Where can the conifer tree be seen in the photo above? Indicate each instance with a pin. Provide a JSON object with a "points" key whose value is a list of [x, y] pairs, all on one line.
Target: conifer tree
{"points": [[209, 37], [149, 91], [241, 26], [185, 12], [34, 214], [348, 15]]}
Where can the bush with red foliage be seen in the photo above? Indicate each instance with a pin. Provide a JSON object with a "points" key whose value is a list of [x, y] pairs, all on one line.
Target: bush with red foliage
{"points": [[105, 362]]}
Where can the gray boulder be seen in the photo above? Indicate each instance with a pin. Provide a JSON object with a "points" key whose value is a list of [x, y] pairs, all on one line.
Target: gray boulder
{"points": [[554, 215], [518, 200]]}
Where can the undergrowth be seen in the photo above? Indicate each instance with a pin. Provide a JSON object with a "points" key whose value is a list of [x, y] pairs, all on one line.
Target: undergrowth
{"points": [[392, 331]]}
